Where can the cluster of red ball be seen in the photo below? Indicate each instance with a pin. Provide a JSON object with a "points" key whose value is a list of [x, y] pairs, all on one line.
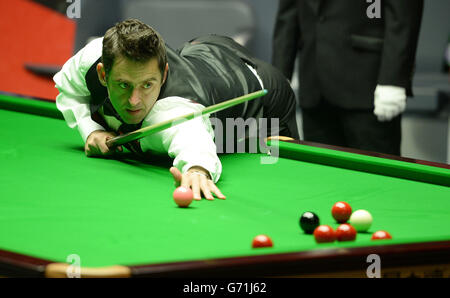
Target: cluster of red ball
{"points": [[341, 212]]}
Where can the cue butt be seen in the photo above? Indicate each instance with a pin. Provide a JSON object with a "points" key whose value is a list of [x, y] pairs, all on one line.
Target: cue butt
{"points": [[61, 270]]}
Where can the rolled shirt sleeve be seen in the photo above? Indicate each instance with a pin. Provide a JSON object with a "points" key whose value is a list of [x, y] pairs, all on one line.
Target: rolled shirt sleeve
{"points": [[190, 143], [74, 97]]}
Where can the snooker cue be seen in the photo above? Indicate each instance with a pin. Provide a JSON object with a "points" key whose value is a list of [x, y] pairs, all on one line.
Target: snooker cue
{"points": [[155, 128]]}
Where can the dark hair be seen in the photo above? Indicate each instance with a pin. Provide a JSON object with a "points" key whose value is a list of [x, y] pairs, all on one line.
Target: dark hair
{"points": [[135, 41]]}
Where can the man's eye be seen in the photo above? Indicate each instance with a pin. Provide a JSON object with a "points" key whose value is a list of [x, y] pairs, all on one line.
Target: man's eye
{"points": [[123, 85], [147, 85]]}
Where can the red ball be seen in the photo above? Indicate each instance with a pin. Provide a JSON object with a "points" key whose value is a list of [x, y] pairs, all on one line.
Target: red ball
{"points": [[379, 235], [262, 241], [324, 234], [345, 232], [341, 211], [183, 196]]}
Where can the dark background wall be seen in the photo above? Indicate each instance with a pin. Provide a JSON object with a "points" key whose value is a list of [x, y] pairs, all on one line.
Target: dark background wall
{"points": [[98, 15]]}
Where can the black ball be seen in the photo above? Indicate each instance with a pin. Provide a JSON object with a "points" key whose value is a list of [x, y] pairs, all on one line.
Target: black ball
{"points": [[309, 221]]}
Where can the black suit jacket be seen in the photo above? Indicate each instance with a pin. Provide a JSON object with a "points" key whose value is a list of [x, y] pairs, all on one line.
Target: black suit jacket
{"points": [[343, 53]]}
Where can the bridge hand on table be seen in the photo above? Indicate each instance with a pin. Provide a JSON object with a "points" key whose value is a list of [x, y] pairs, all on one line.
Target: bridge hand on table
{"points": [[199, 182], [96, 144]]}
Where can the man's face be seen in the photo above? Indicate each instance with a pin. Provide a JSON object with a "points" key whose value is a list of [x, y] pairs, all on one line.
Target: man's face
{"points": [[134, 87]]}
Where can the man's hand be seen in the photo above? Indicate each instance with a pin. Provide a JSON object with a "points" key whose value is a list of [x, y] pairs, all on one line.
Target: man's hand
{"points": [[389, 102], [96, 144], [198, 179]]}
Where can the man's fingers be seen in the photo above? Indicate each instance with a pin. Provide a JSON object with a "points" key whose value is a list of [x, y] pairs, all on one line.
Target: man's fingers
{"points": [[185, 181], [91, 150], [216, 191], [86, 149], [175, 173], [105, 150], [96, 144], [198, 183], [195, 184], [205, 188], [114, 148]]}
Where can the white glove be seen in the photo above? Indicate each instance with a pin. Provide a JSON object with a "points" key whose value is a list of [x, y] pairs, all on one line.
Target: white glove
{"points": [[389, 102]]}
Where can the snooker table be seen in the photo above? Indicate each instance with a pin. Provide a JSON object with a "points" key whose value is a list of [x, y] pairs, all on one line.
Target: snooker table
{"points": [[118, 218]]}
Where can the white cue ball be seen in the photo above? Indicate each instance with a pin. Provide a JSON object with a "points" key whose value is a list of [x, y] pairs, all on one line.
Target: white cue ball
{"points": [[361, 220]]}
